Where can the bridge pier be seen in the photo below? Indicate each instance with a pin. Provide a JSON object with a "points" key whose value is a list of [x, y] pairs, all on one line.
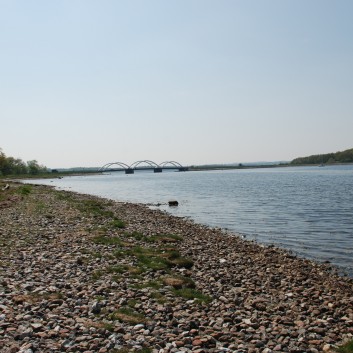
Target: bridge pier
{"points": [[157, 170], [129, 171], [183, 169]]}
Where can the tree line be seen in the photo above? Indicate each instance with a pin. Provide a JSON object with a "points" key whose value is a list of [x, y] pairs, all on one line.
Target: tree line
{"points": [[328, 158], [16, 166]]}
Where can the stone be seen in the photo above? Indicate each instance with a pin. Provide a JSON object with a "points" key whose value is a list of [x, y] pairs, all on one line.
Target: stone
{"points": [[36, 326], [197, 342], [96, 308]]}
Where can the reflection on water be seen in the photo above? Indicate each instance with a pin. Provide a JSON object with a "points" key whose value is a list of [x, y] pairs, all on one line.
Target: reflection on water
{"points": [[308, 210]]}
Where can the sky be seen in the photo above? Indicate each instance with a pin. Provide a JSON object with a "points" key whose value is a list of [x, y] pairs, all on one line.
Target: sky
{"points": [[84, 83]]}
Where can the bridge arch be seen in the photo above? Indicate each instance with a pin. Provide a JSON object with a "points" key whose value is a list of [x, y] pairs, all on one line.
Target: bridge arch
{"points": [[173, 163], [150, 163], [108, 165]]}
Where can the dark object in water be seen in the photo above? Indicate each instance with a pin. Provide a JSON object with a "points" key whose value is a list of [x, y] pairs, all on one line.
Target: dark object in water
{"points": [[173, 203]]}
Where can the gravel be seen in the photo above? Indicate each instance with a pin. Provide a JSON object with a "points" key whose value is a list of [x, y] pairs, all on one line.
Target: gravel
{"points": [[71, 281]]}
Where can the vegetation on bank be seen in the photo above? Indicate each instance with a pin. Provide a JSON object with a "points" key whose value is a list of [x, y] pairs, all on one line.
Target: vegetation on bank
{"points": [[346, 348], [156, 254], [329, 158], [16, 166], [147, 254]]}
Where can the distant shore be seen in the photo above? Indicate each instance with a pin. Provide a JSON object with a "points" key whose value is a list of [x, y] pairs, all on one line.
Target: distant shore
{"points": [[84, 274], [92, 171]]}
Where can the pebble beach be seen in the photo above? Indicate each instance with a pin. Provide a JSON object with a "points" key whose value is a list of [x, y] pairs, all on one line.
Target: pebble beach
{"points": [[84, 274]]}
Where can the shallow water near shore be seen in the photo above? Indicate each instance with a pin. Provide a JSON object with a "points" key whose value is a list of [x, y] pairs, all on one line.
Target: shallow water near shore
{"points": [[308, 210]]}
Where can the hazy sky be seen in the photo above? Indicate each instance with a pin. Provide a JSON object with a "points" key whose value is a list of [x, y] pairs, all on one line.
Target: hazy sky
{"points": [[84, 83]]}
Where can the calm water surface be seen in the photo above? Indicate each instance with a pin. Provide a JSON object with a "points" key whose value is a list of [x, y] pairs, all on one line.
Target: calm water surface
{"points": [[308, 210]]}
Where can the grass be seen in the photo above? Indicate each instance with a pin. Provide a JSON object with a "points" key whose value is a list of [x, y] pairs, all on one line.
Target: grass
{"points": [[174, 258], [108, 326], [24, 189], [95, 207], [135, 271], [345, 348], [147, 258], [128, 350], [34, 298], [132, 303], [128, 315], [192, 294], [153, 262], [123, 268], [64, 196], [3, 195], [157, 238], [97, 274], [119, 253], [99, 324], [116, 269], [96, 255], [117, 223], [159, 259], [164, 238], [178, 282], [160, 298], [40, 207], [135, 235], [105, 240], [98, 209], [99, 298], [149, 284]]}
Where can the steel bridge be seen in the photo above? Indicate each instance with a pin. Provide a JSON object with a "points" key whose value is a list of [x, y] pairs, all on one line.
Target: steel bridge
{"points": [[143, 165]]}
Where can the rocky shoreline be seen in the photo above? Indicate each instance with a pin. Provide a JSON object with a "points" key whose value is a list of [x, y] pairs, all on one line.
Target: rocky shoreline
{"points": [[84, 274]]}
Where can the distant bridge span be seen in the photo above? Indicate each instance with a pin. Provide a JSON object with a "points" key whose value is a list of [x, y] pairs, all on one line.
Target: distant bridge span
{"points": [[175, 164], [108, 165], [157, 168], [150, 163]]}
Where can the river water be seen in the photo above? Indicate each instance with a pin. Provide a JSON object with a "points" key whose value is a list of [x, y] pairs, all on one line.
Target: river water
{"points": [[308, 210]]}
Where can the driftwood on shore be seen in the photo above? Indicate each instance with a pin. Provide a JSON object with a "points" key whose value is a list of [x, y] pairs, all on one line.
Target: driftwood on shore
{"points": [[82, 274], [6, 187]]}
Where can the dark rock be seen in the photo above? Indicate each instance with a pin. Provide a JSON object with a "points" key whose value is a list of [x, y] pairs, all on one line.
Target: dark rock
{"points": [[96, 308]]}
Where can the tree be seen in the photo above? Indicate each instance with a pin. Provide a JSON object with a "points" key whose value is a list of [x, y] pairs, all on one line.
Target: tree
{"points": [[338, 157], [33, 167], [19, 167], [2, 161], [16, 166]]}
